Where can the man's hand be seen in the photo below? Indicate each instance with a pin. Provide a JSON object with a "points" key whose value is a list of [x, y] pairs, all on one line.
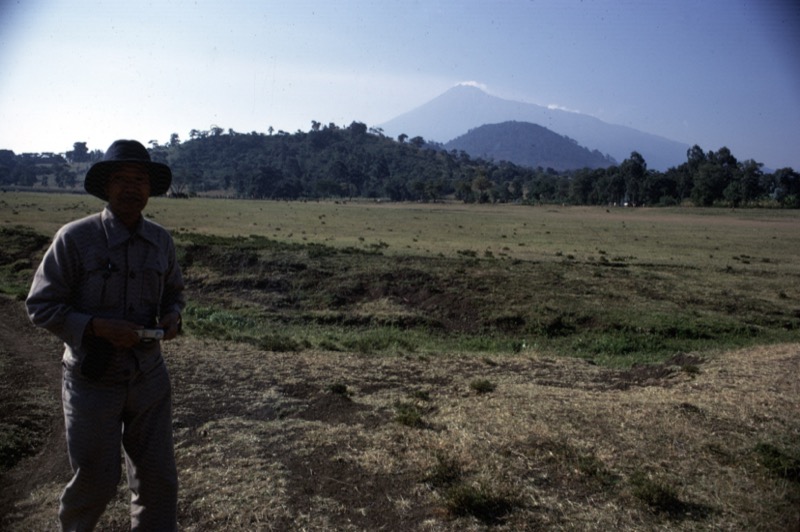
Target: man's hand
{"points": [[171, 323], [121, 333]]}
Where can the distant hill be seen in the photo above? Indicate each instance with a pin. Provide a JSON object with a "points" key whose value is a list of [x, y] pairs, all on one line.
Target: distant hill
{"points": [[529, 145], [464, 107]]}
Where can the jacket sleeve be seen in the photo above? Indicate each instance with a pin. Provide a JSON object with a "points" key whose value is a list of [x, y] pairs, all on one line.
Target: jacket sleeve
{"points": [[173, 299], [50, 302]]}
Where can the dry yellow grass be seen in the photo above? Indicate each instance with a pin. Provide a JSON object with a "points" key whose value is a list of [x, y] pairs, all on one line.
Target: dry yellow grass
{"points": [[560, 439], [698, 237], [265, 441]]}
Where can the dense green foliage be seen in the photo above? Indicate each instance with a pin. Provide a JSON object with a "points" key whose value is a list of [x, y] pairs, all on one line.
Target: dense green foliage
{"points": [[330, 162]]}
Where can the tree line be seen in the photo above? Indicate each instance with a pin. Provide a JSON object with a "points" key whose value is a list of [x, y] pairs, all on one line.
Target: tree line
{"points": [[330, 161]]}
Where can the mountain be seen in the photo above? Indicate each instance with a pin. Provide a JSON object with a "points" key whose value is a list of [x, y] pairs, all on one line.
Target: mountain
{"points": [[527, 144], [463, 107]]}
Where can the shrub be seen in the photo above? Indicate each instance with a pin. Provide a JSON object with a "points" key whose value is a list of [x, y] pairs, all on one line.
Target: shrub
{"points": [[778, 463], [408, 414], [339, 389], [446, 472], [482, 386], [422, 395], [658, 496], [465, 499]]}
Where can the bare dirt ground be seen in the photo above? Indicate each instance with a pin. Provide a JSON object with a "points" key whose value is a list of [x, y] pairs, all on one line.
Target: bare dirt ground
{"points": [[31, 365], [316, 440]]}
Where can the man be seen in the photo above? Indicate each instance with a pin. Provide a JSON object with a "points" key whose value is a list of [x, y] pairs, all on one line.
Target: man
{"points": [[108, 284]]}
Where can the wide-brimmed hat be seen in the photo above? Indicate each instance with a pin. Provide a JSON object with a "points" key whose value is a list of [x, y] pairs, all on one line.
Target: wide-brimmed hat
{"points": [[125, 152]]}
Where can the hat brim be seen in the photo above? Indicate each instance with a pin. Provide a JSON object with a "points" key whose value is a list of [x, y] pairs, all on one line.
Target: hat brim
{"points": [[97, 176]]}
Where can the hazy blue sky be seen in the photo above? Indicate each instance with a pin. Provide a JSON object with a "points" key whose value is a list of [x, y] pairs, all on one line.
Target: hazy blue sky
{"points": [[709, 72]]}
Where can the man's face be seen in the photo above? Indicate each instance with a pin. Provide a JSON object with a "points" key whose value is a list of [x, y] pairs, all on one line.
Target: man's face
{"points": [[128, 189]]}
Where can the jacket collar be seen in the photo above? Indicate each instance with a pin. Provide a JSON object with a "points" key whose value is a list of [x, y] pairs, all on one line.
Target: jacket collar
{"points": [[117, 233]]}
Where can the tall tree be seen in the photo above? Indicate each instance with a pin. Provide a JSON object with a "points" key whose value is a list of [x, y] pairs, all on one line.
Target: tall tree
{"points": [[787, 190], [633, 170], [714, 176], [79, 153], [750, 180], [8, 161]]}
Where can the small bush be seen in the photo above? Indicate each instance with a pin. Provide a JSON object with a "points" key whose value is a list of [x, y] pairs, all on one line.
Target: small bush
{"points": [[18, 442], [465, 499], [408, 414], [422, 395], [446, 472], [482, 386], [338, 389], [778, 463], [595, 469], [658, 496], [691, 369]]}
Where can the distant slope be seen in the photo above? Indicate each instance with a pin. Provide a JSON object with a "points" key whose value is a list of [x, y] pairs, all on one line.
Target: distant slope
{"points": [[463, 108], [529, 145]]}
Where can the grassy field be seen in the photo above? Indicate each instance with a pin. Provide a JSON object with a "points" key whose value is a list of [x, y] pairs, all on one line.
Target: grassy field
{"points": [[618, 286], [365, 366], [713, 238]]}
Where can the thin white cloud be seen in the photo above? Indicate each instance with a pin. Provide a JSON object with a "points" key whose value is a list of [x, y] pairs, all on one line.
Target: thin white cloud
{"points": [[556, 107], [477, 84]]}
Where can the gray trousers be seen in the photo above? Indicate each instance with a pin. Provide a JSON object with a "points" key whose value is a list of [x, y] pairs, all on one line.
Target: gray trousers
{"points": [[100, 415]]}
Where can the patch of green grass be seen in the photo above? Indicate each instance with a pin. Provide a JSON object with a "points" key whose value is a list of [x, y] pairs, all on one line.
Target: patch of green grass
{"points": [[378, 340], [280, 343], [492, 343], [218, 323], [449, 299], [20, 253]]}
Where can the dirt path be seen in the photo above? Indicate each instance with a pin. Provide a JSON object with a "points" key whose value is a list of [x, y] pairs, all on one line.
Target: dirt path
{"points": [[31, 382]]}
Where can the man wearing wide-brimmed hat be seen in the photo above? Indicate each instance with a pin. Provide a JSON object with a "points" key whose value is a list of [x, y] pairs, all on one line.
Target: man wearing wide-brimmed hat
{"points": [[109, 286]]}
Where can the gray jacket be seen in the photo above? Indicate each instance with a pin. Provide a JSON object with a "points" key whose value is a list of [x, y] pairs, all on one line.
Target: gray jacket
{"points": [[95, 267]]}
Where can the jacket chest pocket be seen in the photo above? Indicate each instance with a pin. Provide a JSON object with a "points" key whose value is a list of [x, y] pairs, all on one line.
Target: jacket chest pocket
{"points": [[126, 285], [103, 287], [146, 283]]}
